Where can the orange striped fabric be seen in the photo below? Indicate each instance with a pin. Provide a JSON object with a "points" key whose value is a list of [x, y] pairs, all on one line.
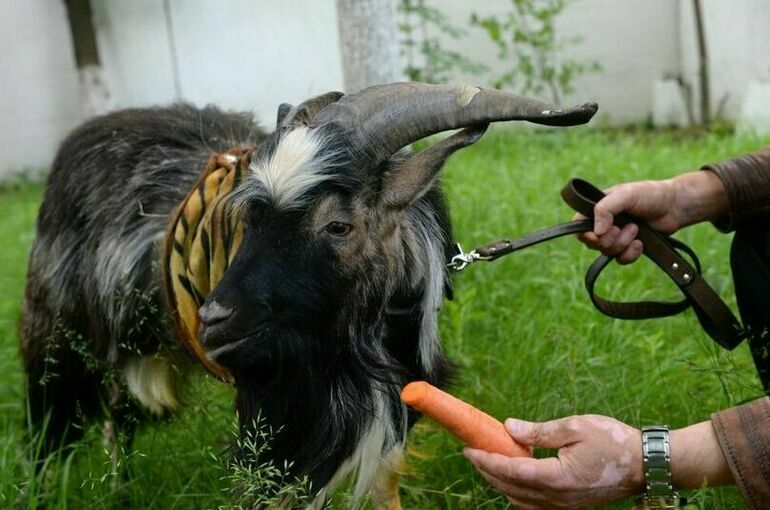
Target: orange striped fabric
{"points": [[200, 245]]}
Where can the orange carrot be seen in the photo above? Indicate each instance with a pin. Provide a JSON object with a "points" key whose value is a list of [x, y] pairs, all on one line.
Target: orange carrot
{"points": [[468, 424]]}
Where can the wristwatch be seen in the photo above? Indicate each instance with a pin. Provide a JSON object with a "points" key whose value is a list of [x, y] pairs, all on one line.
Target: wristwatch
{"points": [[656, 454]]}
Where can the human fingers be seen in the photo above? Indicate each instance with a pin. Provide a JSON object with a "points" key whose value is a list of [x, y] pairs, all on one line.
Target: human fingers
{"points": [[621, 241], [607, 240], [589, 239], [549, 434], [632, 253], [518, 471], [618, 199], [521, 497]]}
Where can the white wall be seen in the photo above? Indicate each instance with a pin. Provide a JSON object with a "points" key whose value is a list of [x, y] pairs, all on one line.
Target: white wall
{"points": [[134, 51], [253, 55], [738, 44], [635, 41], [249, 56], [38, 89], [640, 41]]}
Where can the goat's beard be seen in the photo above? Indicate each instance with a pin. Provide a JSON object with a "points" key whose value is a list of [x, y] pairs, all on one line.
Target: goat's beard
{"points": [[320, 399]]}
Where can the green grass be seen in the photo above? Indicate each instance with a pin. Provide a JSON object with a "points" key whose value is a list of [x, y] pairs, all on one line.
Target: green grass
{"points": [[522, 329]]}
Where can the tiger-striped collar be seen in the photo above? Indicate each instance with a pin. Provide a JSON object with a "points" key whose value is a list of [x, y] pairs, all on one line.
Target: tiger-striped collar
{"points": [[201, 242]]}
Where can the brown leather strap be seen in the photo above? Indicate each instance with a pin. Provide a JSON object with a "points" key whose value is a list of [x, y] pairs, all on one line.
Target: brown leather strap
{"points": [[714, 315], [497, 249]]}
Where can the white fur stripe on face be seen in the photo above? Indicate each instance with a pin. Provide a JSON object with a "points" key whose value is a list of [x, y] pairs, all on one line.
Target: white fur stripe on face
{"points": [[293, 169]]}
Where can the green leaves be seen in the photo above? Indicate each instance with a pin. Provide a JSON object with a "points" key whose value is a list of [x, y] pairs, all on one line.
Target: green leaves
{"points": [[527, 41], [525, 36], [428, 60]]}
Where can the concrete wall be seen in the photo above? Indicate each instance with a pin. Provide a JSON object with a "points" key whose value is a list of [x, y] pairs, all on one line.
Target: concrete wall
{"points": [[635, 41], [38, 90], [640, 41], [251, 56], [738, 44]]}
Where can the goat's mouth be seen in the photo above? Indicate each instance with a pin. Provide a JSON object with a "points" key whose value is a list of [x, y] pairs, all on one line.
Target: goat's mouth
{"points": [[226, 350], [215, 353]]}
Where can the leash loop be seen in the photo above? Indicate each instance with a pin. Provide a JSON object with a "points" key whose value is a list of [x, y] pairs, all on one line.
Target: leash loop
{"points": [[666, 252]]}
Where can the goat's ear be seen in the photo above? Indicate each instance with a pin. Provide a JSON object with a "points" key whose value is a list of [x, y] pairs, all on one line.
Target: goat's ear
{"points": [[283, 111], [305, 112], [409, 181]]}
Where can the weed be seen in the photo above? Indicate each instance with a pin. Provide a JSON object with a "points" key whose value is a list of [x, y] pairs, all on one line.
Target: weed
{"points": [[523, 330], [256, 483]]}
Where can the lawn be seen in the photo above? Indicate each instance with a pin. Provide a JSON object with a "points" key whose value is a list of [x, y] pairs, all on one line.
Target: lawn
{"points": [[522, 329]]}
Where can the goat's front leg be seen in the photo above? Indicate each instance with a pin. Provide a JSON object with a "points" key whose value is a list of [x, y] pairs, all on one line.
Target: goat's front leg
{"points": [[111, 443], [384, 494], [118, 433]]}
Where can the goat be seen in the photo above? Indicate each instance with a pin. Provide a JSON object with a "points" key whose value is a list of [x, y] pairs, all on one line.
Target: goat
{"points": [[329, 305]]}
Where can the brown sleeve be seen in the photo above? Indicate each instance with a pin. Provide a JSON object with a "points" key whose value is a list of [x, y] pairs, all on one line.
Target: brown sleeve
{"points": [[744, 435], [747, 181]]}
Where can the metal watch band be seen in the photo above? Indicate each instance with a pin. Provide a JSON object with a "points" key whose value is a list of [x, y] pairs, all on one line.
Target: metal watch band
{"points": [[656, 454]]}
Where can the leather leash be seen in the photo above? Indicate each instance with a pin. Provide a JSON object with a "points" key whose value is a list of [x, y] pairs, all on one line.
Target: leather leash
{"points": [[713, 314]]}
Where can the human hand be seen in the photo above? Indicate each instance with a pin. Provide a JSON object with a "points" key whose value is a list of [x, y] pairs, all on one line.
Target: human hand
{"points": [[652, 201], [666, 205], [599, 460]]}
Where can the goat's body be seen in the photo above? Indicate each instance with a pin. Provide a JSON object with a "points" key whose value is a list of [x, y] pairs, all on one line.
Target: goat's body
{"points": [[328, 306], [93, 305], [94, 325]]}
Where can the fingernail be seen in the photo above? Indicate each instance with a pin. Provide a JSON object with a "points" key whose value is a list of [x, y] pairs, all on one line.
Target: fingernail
{"points": [[515, 427], [599, 227]]}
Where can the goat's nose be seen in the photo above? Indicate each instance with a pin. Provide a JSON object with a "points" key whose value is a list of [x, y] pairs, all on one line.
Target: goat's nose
{"points": [[216, 324], [213, 313]]}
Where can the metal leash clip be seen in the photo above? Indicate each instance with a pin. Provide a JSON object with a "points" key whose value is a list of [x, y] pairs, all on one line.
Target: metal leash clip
{"points": [[462, 259]]}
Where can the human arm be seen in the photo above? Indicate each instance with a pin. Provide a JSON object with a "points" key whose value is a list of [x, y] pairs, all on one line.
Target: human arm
{"points": [[666, 205], [744, 437], [732, 193], [599, 460]]}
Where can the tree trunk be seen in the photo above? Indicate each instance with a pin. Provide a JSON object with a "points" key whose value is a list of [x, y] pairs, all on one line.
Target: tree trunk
{"points": [[368, 42], [94, 96], [703, 71]]}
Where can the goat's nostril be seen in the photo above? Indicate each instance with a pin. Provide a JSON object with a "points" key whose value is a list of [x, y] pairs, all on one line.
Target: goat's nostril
{"points": [[213, 312]]}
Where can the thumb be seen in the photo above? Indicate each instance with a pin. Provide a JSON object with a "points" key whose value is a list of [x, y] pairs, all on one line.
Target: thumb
{"points": [[617, 199], [603, 216], [549, 434]]}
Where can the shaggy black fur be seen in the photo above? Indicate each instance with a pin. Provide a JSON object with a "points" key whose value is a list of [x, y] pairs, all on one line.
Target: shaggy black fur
{"points": [[330, 342]]}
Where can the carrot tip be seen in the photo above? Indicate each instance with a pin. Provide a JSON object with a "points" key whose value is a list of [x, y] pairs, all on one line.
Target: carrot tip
{"points": [[414, 392]]}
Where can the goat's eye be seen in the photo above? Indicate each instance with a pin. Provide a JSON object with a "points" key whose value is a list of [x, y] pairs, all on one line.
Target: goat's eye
{"points": [[339, 229]]}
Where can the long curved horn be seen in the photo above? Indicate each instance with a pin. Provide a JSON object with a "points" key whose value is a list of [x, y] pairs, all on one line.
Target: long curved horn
{"points": [[382, 119]]}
